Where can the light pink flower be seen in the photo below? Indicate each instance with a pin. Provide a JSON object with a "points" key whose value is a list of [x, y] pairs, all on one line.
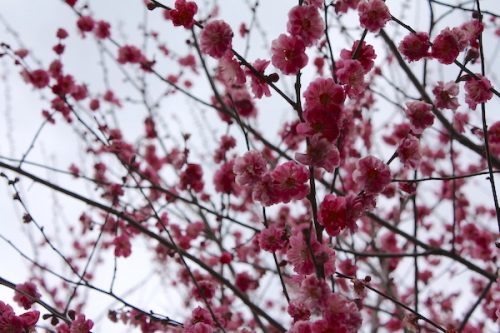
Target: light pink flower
{"points": [[409, 152], [26, 294], [258, 84], [249, 168]]}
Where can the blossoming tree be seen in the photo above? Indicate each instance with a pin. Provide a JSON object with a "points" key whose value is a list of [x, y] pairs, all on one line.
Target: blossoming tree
{"points": [[340, 178]]}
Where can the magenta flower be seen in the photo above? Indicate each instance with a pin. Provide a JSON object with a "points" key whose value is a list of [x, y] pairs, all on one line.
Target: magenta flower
{"points": [[415, 46], [477, 91], [371, 175], [288, 54], [216, 38], [373, 15], [305, 22]]}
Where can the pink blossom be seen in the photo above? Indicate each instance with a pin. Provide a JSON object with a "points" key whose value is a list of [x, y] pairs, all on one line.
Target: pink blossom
{"points": [[81, 325], [265, 191], [494, 138], [85, 23], [200, 322], [245, 282], [230, 71], [326, 122], [305, 22], [61, 33], [341, 6], [216, 38], [258, 84], [224, 179], [249, 168], [130, 54], [333, 214], [299, 255], [272, 238], [415, 46], [341, 314], [409, 152], [446, 46], [183, 13], [371, 174], [323, 93], [192, 178], [364, 54], [320, 153], [288, 54], [26, 294], [446, 95], [373, 14], [290, 181], [477, 91], [39, 78], [420, 115], [102, 30], [123, 248], [313, 292], [351, 73]]}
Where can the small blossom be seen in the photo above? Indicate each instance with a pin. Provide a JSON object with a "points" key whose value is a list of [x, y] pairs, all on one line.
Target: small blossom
{"points": [[351, 73], [39, 78], [446, 95], [216, 39], [326, 122], [245, 282], [415, 46], [224, 179], [85, 23], [333, 214], [290, 181], [200, 322], [288, 54], [341, 314], [323, 93], [373, 15], [365, 54], [272, 238], [81, 325], [342, 6], [102, 30], [130, 54], [183, 14], [249, 168], [123, 248], [192, 178], [371, 174], [320, 153], [446, 46], [259, 85], [409, 152], [61, 33], [305, 22], [420, 116], [230, 71], [26, 294], [477, 91]]}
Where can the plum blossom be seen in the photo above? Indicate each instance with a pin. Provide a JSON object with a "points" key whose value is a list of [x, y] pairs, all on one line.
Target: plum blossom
{"points": [[409, 152], [477, 91], [323, 93], [249, 168], [305, 22], [420, 115], [446, 95], [183, 13], [446, 46], [371, 174], [326, 122], [415, 46], [373, 15], [351, 73], [365, 54], [216, 38], [26, 294], [288, 54], [320, 153], [290, 181], [259, 85]]}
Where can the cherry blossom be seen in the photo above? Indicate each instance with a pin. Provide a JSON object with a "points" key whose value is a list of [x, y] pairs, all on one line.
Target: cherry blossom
{"points": [[183, 13], [477, 91], [446, 95], [415, 46], [371, 174], [420, 116], [373, 14], [305, 22]]}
